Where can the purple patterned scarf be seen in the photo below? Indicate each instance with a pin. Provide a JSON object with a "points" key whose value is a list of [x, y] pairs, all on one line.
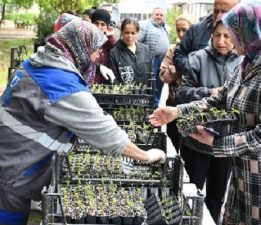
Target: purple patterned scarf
{"points": [[77, 40]]}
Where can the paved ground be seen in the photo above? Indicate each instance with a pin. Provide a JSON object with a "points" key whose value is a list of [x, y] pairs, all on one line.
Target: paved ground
{"points": [[10, 32]]}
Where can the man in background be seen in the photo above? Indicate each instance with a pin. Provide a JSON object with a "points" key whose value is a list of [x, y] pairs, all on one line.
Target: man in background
{"points": [[154, 34]]}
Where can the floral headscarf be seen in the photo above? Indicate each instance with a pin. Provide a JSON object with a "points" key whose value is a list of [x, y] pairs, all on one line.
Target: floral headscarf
{"points": [[244, 20], [77, 40]]}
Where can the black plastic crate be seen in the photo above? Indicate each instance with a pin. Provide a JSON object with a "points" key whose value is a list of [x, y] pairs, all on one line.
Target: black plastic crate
{"points": [[58, 211], [125, 171], [113, 96], [152, 140], [106, 101], [160, 205]]}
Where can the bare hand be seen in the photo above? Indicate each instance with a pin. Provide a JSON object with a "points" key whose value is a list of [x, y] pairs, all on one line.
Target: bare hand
{"points": [[215, 91], [110, 31], [163, 115], [203, 136]]}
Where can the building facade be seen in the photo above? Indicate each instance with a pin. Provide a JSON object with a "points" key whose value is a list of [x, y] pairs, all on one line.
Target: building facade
{"points": [[141, 9]]}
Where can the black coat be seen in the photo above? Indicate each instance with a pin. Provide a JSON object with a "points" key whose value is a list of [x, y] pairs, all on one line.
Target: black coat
{"points": [[130, 68]]}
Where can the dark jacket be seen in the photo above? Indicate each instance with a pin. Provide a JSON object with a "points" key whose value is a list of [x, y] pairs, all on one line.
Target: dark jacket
{"points": [[130, 68], [205, 70], [197, 37]]}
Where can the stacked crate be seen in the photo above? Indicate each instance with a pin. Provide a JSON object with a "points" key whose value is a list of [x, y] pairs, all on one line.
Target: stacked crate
{"points": [[90, 188]]}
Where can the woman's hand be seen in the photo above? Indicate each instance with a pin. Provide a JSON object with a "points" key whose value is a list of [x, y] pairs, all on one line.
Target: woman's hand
{"points": [[203, 136], [163, 115]]}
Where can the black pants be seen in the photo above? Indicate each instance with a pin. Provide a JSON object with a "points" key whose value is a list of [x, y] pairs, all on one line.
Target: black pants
{"points": [[173, 134], [215, 171]]}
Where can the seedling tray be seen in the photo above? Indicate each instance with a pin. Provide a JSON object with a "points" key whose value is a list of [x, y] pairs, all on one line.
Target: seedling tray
{"points": [[110, 96], [127, 114], [187, 123], [160, 205], [152, 140], [125, 171], [79, 203], [121, 100]]}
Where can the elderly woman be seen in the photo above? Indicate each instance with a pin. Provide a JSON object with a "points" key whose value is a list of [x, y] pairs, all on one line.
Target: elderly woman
{"points": [[243, 92], [46, 101], [204, 74]]}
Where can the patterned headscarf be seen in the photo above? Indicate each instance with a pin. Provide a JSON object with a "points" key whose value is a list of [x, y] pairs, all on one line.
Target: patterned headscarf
{"points": [[62, 20], [77, 40], [244, 20]]}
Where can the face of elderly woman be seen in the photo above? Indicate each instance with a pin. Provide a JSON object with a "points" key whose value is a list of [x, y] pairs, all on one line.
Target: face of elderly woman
{"points": [[221, 40]]}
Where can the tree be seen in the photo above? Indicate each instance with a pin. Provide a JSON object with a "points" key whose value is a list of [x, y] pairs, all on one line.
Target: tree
{"points": [[51, 9], [21, 3], [171, 17], [79, 6]]}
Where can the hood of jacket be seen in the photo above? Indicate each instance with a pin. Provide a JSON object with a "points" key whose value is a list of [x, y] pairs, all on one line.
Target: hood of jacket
{"points": [[47, 57]]}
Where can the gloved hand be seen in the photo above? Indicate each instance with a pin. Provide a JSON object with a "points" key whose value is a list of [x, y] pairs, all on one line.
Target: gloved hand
{"points": [[107, 73], [156, 155]]}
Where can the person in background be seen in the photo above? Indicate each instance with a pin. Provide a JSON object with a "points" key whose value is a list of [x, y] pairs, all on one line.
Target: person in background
{"points": [[204, 74], [154, 34], [242, 91], [109, 8], [169, 75], [113, 25], [87, 14], [199, 34], [104, 75], [129, 59], [45, 103], [63, 19]]}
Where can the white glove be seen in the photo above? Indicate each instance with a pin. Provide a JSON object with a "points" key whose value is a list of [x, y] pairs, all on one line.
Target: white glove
{"points": [[107, 73], [156, 155]]}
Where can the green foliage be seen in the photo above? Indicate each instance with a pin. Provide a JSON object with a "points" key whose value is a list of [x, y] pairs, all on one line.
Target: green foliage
{"points": [[46, 22], [23, 19], [97, 3], [22, 3], [171, 17], [51, 9], [5, 46], [60, 6]]}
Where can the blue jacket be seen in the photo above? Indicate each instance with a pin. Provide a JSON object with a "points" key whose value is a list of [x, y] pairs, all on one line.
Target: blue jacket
{"points": [[40, 109]]}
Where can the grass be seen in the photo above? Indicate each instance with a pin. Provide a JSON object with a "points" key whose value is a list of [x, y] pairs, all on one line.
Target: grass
{"points": [[5, 52]]}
